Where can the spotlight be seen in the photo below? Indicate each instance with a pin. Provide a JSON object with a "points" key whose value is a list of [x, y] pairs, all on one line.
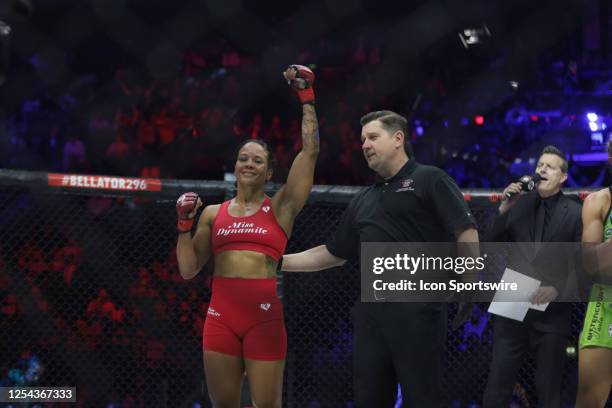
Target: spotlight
{"points": [[472, 36]]}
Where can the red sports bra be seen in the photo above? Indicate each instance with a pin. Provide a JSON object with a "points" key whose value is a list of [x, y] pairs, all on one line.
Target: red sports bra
{"points": [[259, 232]]}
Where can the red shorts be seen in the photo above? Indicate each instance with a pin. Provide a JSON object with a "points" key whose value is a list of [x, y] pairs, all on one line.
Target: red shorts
{"points": [[245, 318]]}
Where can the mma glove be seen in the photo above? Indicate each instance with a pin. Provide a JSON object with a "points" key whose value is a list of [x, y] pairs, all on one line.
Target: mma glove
{"points": [[186, 207], [301, 79]]}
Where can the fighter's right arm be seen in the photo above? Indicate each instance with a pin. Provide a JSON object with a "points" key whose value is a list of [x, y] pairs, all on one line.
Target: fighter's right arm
{"points": [[311, 260], [597, 255], [193, 253]]}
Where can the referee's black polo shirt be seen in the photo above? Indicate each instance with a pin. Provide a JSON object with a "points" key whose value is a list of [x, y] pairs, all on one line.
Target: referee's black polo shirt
{"points": [[419, 204]]}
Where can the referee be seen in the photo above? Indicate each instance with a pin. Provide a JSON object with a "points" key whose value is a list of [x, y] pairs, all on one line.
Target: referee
{"points": [[409, 202]]}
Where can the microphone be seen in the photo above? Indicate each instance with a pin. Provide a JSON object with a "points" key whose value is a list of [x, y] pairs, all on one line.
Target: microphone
{"points": [[528, 183]]}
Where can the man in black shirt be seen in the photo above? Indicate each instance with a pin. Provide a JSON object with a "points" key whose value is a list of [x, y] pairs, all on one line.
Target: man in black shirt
{"points": [[545, 215], [395, 342]]}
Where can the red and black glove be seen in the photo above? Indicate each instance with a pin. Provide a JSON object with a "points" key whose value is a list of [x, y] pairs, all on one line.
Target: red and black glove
{"points": [[301, 79], [186, 209]]}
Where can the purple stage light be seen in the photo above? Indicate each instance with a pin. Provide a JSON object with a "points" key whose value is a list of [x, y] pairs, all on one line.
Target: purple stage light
{"points": [[592, 116]]}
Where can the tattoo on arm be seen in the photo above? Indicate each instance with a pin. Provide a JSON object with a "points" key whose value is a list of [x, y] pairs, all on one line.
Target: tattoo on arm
{"points": [[310, 129]]}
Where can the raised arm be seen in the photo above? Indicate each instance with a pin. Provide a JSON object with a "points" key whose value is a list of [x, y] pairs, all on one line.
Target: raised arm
{"points": [[292, 197], [311, 260]]}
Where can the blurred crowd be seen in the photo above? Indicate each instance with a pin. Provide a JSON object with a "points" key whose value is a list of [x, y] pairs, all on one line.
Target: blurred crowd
{"points": [[188, 126], [133, 320]]}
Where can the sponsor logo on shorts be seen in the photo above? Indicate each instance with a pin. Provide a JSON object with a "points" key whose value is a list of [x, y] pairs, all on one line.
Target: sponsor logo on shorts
{"points": [[265, 209], [265, 306], [213, 312], [596, 323]]}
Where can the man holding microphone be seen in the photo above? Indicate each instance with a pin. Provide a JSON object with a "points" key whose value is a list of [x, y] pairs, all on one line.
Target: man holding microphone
{"points": [[542, 215]]}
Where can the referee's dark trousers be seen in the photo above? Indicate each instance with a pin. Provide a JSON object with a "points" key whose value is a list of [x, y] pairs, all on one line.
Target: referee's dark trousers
{"points": [[398, 343]]}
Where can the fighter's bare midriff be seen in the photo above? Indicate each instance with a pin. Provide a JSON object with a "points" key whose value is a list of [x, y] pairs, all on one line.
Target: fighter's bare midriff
{"points": [[244, 264]]}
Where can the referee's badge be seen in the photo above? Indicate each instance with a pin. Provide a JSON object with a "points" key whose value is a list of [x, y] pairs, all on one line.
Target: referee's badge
{"points": [[406, 185]]}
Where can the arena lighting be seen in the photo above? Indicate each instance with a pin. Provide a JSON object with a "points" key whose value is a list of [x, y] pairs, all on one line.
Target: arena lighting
{"points": [[534, 118], [472, 36], [594, 157], [479, 120], [596, 122], [597, 139]]}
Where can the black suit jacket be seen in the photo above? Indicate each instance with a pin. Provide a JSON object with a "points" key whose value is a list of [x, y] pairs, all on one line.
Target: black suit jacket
{"points": [[552, 266]]}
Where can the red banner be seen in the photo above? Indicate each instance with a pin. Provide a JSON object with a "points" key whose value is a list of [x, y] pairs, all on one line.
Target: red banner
{"points": [[103, 182]]}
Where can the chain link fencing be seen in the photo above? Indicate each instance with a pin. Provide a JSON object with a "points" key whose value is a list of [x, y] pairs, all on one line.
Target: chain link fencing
{"points": [[90, 296]]}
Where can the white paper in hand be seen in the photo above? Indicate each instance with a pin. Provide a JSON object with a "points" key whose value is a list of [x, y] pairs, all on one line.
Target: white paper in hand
{"points": [[514, 304], [541, 307]]}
